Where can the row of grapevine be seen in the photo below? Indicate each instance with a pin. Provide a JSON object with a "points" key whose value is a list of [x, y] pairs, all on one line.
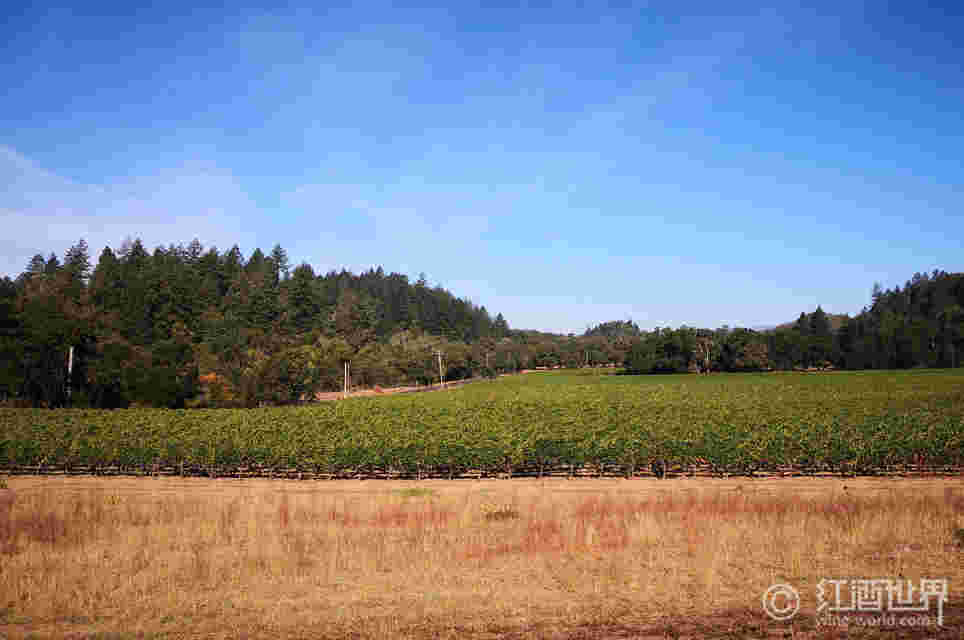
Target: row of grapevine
{"points": [[733, 424]]}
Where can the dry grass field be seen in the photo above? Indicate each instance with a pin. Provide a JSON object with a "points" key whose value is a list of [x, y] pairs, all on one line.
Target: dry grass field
{"points": [[684, 557]]}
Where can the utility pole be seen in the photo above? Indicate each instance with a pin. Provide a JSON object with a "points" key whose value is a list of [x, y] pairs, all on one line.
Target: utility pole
{"points": [[346, 379], [70, 369], [441, 379]]}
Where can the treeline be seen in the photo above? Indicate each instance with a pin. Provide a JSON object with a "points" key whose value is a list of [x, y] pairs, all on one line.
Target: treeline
{"points": [[189, 326], [918, 325], [192, 326]]}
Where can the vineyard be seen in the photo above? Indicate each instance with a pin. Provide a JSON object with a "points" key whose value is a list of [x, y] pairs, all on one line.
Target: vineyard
{"points": [[553, 423]]}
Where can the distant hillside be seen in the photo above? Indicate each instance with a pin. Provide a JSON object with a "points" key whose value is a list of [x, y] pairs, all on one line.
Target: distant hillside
{"points": [[836, 320], [614, 329]]}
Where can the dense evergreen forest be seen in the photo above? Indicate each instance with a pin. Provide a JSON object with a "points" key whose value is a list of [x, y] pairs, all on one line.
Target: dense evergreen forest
{"points": [[189, 326], [918, 325]]}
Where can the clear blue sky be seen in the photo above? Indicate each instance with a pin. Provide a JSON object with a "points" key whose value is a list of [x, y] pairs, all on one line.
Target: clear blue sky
{"points": [[677, 162]]}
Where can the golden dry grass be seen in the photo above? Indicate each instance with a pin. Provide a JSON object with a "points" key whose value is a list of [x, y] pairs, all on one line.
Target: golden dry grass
{"points": [[581, 558]]}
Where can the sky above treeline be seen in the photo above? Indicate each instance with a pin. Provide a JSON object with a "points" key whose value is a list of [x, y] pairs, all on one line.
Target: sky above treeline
{"points": [[699, 163]]}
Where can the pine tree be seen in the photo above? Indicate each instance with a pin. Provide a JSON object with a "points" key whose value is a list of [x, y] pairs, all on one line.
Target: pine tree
{"points": [[36, 266], [53, 265], [77, 262], [500, 328], [11, 341], [208, 295], [256, 263], [106, 285], [231, 264], [194, 252], [279, 257], [134, 256], [303, 304], [819, 323]]}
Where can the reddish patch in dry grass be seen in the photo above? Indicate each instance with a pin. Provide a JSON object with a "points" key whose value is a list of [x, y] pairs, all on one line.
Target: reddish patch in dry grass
{"points": [[425, 516]]}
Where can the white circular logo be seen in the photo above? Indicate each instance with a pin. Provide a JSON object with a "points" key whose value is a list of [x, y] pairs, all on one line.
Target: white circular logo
{"points": [[781, 602]]}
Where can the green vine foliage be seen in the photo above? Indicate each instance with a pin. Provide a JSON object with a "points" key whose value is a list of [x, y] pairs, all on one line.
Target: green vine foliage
{"points": [[863, 422]]}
